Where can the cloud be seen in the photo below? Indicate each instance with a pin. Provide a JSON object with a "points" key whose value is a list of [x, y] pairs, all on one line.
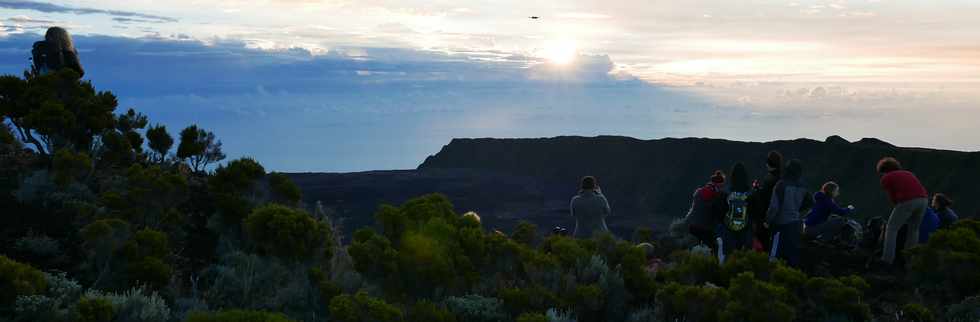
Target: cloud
{"points": [[55, 8]]}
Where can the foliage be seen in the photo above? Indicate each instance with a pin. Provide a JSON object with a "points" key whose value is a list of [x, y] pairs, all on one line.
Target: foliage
{"points": [[363, 308], [559, 316], [69, 166], [94, 310], [288, 233], [425, 311], [234, 189], [56, 303], [283, 189], [947, 264], [160, 141], [915, 312], [242, 280], [145, 254], [18, 279], [532, 317], [134, 305], [236, 316], [692, 303], [477, 308], [967, 310], [525, 233], [199, 147], [747, 295]]}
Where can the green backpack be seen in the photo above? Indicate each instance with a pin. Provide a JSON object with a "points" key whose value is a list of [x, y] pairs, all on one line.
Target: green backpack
{"points": [[738, 214]]}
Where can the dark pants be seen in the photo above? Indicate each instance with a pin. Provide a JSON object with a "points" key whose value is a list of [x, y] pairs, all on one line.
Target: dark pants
{"points": [[786, 243], [764, 236], [736, 240], [827, 231], [705, 236]]}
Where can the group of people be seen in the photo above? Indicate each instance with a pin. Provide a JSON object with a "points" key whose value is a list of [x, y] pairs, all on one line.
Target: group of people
{"points": [[774, 215]]}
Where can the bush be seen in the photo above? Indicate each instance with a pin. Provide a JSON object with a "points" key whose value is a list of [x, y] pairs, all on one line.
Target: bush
{"points": [[475, 308], [559, 316], [835, 297], [425, 311], [135, 305], [968, 310], [948, 263], [752, 300], [691, 303], [94, 310], [530, 299], [283, 189], [914, 312], [288, 233], [693, 269], [362, 308], [525, 233], [18, 279], [69, 166], [532, 317], [57, 303], [237, 316], [145, 253]]}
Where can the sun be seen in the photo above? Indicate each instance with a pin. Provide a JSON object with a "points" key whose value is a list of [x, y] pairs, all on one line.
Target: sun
{"points": [[560, 52]]}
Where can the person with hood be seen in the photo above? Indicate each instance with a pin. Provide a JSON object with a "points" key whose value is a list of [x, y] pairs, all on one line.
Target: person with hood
{"points": [[704, 216], [819, 223], [910, 200], [790, 198], [760, 204], [590, 209], [737, 222], [55, 52], [941, 203]]}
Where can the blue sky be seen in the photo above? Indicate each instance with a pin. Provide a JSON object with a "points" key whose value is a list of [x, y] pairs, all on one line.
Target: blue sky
{"points": [[309, 85]]}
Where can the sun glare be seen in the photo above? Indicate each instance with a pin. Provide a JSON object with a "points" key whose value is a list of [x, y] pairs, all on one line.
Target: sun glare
{"points": [[560, 52]]}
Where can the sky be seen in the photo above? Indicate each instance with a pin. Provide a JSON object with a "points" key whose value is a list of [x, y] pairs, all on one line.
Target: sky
{"points": [[322, 85]]}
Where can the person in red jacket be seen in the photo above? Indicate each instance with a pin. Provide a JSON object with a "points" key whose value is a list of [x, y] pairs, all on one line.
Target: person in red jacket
{"points": [[910, 200]]}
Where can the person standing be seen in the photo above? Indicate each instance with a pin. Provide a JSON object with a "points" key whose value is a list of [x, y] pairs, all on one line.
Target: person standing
{"points": [[737, 223], [760, 204], [590, 209], [705, 213], [57, 51], [790, 198], [910, 201]]}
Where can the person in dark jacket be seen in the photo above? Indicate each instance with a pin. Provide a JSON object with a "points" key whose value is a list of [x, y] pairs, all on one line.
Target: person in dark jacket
{"points": [[819, 224], [930, 223], [910, 199], [942, 205], [590, 209], [57, 51], [736, 225], [790, 198], [760, 204], [705, 214]]}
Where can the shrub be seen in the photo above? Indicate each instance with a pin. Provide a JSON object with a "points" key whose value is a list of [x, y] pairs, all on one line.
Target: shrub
{"points": [[691, 303], [283, 189], [68, 166], [948, 262], [643, 235], [475, 308], [568, 251], [94, 310], [530, 299], [373, 255], [57, 303], [693, 269], [532, 317], [362, 308], [914, 312], [831, 297], [135, 305], [287, 233], [237, 316], [425, 311], [747, 295], [18, 279], [145, 253], [967, 310], [525, 233], [559, 316]]}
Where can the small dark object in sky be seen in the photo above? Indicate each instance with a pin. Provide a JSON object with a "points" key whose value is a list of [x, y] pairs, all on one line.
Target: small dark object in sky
{"points": [[534, 17]]}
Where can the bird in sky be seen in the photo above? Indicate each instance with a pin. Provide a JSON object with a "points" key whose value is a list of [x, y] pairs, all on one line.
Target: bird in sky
{"points": [[534, 17]]}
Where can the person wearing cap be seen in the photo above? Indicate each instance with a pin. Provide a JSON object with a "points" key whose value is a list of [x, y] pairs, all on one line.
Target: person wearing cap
{"points": [[590, 209], [706, 210], [763, 196]]}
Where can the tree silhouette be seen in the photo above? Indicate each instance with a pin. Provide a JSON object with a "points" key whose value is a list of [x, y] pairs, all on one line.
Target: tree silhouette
{"points": [[160, 141], [199, 147]]}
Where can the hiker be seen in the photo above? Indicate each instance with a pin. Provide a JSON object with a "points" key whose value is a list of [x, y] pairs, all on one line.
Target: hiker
{"points": [[760, 205], [790, 198], [705, 214], [930, 223], [55, 52], [590, 209], [941, 204], [820, 224], [910, 200], [737, 223]]}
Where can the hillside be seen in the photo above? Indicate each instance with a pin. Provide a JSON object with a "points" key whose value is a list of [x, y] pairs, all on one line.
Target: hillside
{"points": [[648, 182]]}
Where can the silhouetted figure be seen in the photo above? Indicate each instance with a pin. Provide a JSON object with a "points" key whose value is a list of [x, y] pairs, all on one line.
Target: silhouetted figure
{"points": [[821, 223], [790, 198], [590, 209], [942, 204], [760, 205], [736, 229], [55, 52], [910, 199], [707, 209]]}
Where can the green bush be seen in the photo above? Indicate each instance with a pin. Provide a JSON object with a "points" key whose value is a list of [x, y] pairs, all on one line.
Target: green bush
{"points": [[693, 269], [752, 300], [948, 263], [967, 310], [475, 308], [425, 311], [69, 166], [18, 279], [94, 310], [691, 303], [835, 297], [144, 254], [915, 312], [525, 233], [363, 308], [288, 233], [530, 299], [236, 316], [532, 317], [568, 250], [283, 189]]}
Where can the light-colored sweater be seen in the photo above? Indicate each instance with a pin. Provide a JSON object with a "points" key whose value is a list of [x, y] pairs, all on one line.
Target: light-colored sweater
{"points": [[589, 208]]}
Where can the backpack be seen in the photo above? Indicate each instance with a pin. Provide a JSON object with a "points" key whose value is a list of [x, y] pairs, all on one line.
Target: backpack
{"points": [[738, 211], [46, 58]]}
